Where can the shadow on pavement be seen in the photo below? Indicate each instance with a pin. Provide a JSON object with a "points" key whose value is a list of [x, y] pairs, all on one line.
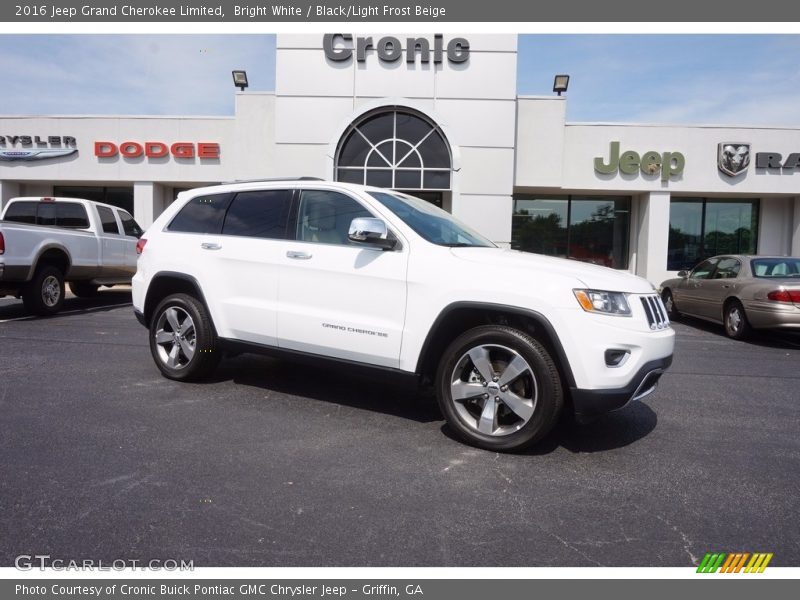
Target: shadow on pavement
{"points": [[11, 308], [762, 338]]}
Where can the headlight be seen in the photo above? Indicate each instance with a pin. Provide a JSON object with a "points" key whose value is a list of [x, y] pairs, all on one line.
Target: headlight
{"points": [[608, 303]]}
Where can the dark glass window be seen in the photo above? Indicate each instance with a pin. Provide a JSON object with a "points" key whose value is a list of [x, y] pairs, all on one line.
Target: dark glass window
{"points": [[21, 212], [263, 214], [704, 269], [203, 214], [592, 229], [121, 197], [129, 226], [324, 217], [46, 213], [71, 215], [728, 268], [395, 149], [700, 227], [108, 220]]}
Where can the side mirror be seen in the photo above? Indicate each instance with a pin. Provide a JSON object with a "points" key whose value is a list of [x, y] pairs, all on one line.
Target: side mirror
{"points": [[683, 274], [372, 232]]}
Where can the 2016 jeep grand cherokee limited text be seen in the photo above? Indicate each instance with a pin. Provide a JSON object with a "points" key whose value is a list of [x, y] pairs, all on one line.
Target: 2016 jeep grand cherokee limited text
{"points": [[379, 278]]}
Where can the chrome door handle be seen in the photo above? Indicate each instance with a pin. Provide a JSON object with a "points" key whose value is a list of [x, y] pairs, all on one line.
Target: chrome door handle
{"points": [[210, 246], [298, 255]]}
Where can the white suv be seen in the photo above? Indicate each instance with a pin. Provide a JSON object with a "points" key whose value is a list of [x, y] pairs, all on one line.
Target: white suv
{"points": [[370, 276]]}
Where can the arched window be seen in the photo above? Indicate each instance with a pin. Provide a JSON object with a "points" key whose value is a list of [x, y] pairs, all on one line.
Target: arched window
{"points": [[396, 149]]}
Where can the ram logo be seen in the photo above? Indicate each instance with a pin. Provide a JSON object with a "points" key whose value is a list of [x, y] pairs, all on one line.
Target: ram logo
{"points": [[733, 158]]}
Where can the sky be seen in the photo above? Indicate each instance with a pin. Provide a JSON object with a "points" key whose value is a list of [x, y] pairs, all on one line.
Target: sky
{"points": [[717, 79]]}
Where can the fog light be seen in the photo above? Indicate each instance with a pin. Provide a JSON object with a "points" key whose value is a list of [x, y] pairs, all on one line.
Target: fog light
{"points": [[614, 357]]}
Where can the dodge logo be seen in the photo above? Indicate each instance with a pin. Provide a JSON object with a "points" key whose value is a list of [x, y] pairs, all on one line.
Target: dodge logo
{"points": [[733, 158]]}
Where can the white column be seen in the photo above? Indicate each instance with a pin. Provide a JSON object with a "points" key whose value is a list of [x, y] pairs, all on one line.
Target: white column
{"points": [[653, 236], [795, 242], [144, 203], [8, 190]]}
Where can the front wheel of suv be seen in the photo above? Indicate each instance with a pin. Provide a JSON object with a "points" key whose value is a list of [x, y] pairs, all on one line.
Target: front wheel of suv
{"points": [[182, 339], [498, 388]]}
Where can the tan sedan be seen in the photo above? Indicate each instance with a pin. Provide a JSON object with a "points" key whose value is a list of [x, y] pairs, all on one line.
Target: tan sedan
{"points": [[740, 292]]}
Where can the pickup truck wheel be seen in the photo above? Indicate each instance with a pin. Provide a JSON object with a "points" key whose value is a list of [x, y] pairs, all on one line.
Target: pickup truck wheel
{"points": [[83, 289], [44, 294], [182, 339], [498, 388]]}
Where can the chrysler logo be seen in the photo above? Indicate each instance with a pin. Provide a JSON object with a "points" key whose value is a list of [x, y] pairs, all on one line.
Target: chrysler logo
{"points": [[733, 158], [35, 153]]}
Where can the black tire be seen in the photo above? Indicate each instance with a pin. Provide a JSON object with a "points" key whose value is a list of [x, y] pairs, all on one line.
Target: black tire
{"points": [[44, 294], [737, 326], [83, 289], [539, 386], [177, 363], [669, 303]]}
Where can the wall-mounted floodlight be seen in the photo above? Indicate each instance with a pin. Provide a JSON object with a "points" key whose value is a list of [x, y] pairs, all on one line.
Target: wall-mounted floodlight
{"points": [[240, 79], [560, 83]]}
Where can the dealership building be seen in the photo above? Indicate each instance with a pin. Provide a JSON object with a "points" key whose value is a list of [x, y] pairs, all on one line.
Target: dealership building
{"points": [[439, 116]]}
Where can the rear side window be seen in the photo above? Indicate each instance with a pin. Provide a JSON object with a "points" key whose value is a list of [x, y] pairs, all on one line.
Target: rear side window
{"points": [[203, 214], [71, 215], [108, 220], [22, 212], [263, 214], [129, 226]]}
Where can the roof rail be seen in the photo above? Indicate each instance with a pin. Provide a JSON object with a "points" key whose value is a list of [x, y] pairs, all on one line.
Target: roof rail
{"points": [[269, 179]]}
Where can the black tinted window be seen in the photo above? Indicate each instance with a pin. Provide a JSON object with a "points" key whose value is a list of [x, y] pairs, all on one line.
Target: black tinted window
{"points": [[46, 213], [22, 212], [108, 220], [72, 215], [130, 226], [259, 214], [203, 214]]}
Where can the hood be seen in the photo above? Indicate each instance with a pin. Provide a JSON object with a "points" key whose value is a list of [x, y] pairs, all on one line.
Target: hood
{"points": [[592, 276]]}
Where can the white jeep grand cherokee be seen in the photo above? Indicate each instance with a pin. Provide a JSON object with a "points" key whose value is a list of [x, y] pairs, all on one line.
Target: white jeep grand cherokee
{"points": [[310, 268]]}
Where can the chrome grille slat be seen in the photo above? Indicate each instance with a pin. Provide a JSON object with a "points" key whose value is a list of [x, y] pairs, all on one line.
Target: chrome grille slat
{"points": [[655, 312]]}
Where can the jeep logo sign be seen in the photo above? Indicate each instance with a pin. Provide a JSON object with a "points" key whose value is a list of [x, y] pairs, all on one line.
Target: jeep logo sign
{"points": [[339, 47], [650, 163]]}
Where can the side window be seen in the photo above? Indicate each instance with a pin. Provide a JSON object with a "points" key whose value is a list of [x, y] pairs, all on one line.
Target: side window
{"points": [[704, 269], [263, 214], [728, 268], [203, 214], [71, 215], [129, 226], [108, 220], [324, 217], [22, 212]]}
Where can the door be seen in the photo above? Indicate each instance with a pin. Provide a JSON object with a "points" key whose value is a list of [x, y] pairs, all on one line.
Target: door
{"points": [[113, 246], [718, 287], [690, 294], [338, 298], [245, 267]]}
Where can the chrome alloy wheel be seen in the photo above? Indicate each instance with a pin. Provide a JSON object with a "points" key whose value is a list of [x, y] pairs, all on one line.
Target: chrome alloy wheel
{"points": [[493, 390], [51, 291], [734, 319], [175, 337]]}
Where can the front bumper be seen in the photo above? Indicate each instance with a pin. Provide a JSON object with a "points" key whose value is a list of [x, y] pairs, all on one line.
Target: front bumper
{"points": [[589, 404]]}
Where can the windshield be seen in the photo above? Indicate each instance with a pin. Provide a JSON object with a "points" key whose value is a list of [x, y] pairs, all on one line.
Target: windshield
{"points": [[430, 222], [776, 267]]}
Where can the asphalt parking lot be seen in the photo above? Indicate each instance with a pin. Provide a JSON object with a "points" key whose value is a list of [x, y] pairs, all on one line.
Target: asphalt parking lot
{"points": [[273, 464]]}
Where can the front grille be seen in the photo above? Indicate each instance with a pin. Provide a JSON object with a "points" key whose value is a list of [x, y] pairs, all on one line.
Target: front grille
{"points": [[655, 311]]}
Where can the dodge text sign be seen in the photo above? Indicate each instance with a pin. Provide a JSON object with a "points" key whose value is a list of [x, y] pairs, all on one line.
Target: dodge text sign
{"points": [[202, 150]]}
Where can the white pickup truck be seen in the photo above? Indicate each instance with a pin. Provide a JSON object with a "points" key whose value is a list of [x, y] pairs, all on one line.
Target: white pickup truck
{"points": [[47, 241]]}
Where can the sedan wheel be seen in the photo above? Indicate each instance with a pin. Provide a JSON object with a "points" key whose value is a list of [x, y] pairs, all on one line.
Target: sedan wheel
{"points": [[737, 326]]}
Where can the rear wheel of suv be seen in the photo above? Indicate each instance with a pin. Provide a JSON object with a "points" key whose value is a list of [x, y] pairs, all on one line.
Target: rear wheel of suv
{"points": [[182, 339], [498, 388]]}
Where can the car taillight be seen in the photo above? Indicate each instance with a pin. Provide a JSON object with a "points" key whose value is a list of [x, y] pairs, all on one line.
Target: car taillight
{"points": [[140, 245], [785, 296], [2, 244]]}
